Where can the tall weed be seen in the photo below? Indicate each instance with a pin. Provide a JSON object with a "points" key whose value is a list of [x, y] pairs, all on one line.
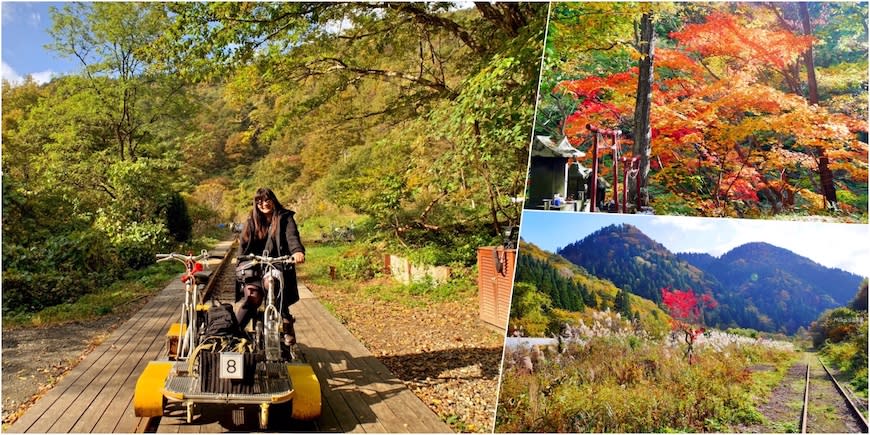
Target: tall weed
{"points": [[630, 384]]}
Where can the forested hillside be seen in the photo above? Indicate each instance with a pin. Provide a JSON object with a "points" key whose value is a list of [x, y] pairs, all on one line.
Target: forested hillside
{"points": [[756, 285], [550, 291], [634, 262], [789, 291], [409, 122]]}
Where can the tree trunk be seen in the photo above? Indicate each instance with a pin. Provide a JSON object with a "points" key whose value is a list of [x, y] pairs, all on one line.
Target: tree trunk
{"points": [[826, 176], [809, 62], [642, 128]]}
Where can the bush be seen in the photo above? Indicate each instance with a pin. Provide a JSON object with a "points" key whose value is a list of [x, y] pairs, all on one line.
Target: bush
{"points": [[849, 355], [834, 326], [57, 270], [358, 266], [138, 243]]}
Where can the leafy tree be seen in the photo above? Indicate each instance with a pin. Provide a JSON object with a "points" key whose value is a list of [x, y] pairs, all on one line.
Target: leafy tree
{"points": [[860, 301], [331, 82], [685, 309], [622, 305], [109, 40], [529, 309], [834, 326], [731, 132]]}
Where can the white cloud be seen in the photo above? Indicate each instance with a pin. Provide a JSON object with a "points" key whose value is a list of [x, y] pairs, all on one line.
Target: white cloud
{"points": [[35, 19], [9, 74], [43, 77], [461, 5], [14, 78], [843, 246], [688, 223], [337, 27], [19, 12]]}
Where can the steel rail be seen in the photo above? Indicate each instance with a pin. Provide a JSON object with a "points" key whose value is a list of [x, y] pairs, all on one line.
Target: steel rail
{"points": [[853, 408], [803, 422]]}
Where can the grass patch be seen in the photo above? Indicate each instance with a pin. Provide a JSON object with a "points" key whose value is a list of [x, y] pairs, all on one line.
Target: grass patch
{"points": [[790, 427], [763, 382], [357, 267], [419, 294], [613, 384]]}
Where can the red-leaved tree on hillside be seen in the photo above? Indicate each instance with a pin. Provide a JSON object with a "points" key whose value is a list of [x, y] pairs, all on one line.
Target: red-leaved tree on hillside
{"points": [[686, 310]]}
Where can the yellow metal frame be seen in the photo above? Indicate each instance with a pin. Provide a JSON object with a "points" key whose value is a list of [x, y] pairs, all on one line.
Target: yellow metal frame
{"points": [[148, 396], [306, 388], [176, 331]]}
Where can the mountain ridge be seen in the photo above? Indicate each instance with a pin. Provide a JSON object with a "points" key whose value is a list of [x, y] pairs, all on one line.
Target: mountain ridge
{"points": [[758, 285]]}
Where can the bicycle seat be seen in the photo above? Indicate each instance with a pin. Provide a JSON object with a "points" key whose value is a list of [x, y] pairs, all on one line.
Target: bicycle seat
{"points": [[202, 277]]}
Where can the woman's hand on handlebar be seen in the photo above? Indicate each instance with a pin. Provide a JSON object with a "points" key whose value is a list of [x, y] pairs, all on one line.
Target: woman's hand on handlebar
{"points": [[299, 257]]}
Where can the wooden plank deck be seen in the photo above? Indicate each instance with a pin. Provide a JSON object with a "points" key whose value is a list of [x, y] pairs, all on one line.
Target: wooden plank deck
{"points": [[359, 392]]}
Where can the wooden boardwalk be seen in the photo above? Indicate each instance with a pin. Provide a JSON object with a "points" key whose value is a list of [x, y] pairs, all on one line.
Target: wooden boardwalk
{"points": [[359, 392]]}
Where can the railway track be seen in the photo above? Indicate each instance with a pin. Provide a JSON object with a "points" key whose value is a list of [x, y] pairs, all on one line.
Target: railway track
{"points": [[827, 407]]}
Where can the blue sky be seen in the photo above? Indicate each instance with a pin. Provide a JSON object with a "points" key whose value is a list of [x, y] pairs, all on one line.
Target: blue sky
{"points": [[24, 35], [844, 246]]}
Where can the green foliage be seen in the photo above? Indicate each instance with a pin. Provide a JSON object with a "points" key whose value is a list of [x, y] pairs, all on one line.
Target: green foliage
{"points": [[849, 353], [56, 270], [359, 266], [137, 243], [371, 123], [564, 292], [454, 289], [569, 288], [622, 305], [530, 310], [115, 298], [834, 326]]}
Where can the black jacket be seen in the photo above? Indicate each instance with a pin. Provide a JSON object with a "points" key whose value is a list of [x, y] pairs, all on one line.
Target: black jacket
{"points": [[288, 243]]}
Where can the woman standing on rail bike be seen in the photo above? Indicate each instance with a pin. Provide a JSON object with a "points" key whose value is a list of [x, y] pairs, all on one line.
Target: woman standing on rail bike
{"points": [[271, 228]]}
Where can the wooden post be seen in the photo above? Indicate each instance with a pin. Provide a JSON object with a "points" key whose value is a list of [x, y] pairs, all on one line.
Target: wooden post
{"points": [[624, 183], [388, 269], [593, 194], [614, 152]]}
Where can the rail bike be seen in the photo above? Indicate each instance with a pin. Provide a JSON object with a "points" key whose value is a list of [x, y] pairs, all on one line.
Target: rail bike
{"points": [[210, 359]]}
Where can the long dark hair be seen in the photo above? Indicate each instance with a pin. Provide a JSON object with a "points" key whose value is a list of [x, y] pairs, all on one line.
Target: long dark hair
{"points": [[261, 222]]}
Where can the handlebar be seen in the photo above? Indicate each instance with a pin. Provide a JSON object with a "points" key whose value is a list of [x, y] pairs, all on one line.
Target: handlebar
{"points": [[183, 258], [287, 259]]}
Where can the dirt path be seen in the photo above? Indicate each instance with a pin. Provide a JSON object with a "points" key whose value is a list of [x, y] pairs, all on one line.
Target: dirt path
{"points": [[441, 351], [782, 409], [35, 359]]}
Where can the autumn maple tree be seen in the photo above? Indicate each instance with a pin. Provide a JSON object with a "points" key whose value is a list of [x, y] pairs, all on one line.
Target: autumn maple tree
{"points": [[732, 133], [686, 310]]}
